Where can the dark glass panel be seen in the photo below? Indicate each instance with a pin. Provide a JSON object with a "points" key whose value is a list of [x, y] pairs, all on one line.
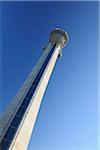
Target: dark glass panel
{"points": [[25, 102], [29, 95], [16, 121], [32, 89], [21, 111], [4, 145], [10, 133]]}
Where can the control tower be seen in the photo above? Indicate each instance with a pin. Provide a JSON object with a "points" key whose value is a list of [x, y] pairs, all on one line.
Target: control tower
{"points": [[19, 118]]}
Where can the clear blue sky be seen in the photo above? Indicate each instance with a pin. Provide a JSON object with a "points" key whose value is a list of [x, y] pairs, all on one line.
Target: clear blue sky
{"points": [[68, 116]]}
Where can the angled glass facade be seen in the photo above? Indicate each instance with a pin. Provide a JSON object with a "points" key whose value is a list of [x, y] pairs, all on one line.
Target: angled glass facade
{"points": [[11, 131]]}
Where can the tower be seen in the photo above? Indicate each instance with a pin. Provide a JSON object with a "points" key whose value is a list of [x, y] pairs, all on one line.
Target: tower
{"points": [[19, 118]]}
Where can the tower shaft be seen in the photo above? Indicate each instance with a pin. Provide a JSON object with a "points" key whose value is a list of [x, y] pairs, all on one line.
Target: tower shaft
{"points": [[19, 118]]}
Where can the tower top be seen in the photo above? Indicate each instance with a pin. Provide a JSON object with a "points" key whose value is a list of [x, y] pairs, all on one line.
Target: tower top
{"points": [[58, 36]]}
